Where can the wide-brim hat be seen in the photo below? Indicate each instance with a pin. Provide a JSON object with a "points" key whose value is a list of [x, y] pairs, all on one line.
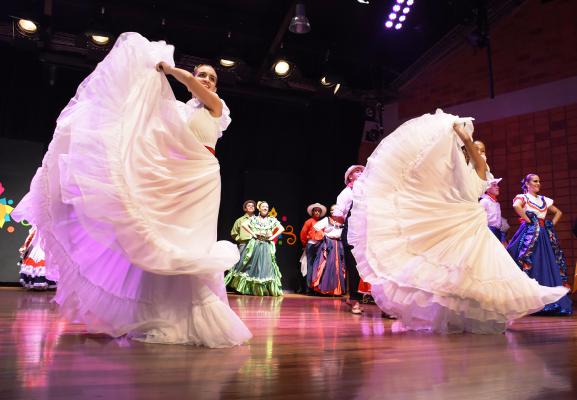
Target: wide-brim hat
{"points": [[316, 205], [351, 169], [494, 180]]}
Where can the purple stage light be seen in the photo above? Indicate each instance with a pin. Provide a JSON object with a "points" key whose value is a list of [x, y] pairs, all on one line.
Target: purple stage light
{"points": [[395, 19]]}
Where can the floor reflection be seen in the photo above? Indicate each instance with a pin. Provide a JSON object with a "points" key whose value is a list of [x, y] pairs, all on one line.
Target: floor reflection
{"points": [[302, 348]]}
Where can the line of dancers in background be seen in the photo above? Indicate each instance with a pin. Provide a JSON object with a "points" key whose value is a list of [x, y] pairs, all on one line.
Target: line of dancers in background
{"points": [[327, 266]]}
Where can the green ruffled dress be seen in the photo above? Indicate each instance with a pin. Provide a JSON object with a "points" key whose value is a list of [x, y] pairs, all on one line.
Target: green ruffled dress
{"points": [[257, 272]]}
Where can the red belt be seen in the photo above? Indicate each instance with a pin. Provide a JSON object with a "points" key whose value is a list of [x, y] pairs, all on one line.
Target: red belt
{"points": [[541, 221], [211, 150]]}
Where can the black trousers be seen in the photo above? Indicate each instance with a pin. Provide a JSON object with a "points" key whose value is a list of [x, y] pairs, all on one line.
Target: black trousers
{"points": [[353, 277]]}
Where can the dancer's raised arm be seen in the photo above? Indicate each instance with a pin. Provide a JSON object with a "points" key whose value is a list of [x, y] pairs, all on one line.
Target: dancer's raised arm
{"points": [[474, 154], [202, 84]]}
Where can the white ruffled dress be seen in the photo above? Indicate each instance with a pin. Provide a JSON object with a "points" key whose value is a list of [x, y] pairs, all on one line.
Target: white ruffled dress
{"points": [[421, 240], [126, 202]]}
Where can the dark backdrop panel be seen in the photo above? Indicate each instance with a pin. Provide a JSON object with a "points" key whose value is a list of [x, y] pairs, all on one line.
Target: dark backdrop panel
{"points": [[18, 163], [300, 151]]}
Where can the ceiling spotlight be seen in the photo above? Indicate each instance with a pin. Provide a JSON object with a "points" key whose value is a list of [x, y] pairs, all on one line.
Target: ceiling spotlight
{"points": [[282, 68], [26, 26], [229, 56], [363, 1], [300, 23], [326, 82], [337, 87], [98, 31], [226, 63], [395, 18], [100, 40]]}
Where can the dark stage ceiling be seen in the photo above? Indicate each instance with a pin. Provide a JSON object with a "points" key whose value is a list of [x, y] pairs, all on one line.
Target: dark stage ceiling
{"points": [[347, 38]]}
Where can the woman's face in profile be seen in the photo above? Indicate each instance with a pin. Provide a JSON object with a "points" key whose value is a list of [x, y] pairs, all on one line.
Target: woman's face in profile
{"points": [[534, 184]]}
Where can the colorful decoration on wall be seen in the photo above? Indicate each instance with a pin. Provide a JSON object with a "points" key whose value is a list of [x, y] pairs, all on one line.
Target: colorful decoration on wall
{"points": [[6, 208], [291, 236], [288, 236]]}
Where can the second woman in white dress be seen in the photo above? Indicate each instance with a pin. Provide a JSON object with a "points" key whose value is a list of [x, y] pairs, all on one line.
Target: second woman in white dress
{"points": [[420, 236]]}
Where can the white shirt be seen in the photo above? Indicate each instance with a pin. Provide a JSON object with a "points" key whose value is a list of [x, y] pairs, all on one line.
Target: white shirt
{"points": [[344, 203], [331, 231], [493, 209]]}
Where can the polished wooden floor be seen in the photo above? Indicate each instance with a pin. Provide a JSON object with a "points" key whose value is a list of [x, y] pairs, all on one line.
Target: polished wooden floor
{"points": [[303, 348]]}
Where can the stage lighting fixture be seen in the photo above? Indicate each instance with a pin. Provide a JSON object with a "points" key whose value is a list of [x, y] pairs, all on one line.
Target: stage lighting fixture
{"points": [[98, 31], [229, 57], [100, 40], [27, 26], [337, 87], [394, 17], [282, 68], [331, 75], [300, 23], [326, 82], [226, 63], [331, 82], [363, 1]]}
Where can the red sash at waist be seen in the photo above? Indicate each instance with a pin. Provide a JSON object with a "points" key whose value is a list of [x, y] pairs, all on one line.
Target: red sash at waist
{"points": [[541, 221]]}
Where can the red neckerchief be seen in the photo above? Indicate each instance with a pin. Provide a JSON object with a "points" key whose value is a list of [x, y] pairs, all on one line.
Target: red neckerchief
{"points": [[492, 197]]}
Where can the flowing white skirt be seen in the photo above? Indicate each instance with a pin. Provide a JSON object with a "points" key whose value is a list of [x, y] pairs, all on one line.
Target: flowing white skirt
{"points": [[421, 240], [126, 203]]}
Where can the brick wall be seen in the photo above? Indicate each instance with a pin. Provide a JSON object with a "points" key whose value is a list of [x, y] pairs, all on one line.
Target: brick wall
{"points": [[535, 45], [544, 143]]}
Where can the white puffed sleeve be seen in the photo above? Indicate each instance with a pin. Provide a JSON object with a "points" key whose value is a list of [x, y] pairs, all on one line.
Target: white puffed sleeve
{"points": [[224, 120]]}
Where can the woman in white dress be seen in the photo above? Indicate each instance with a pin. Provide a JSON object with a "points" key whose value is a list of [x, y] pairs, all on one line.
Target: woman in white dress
{"points": [[127, 200], [420, 236]]}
